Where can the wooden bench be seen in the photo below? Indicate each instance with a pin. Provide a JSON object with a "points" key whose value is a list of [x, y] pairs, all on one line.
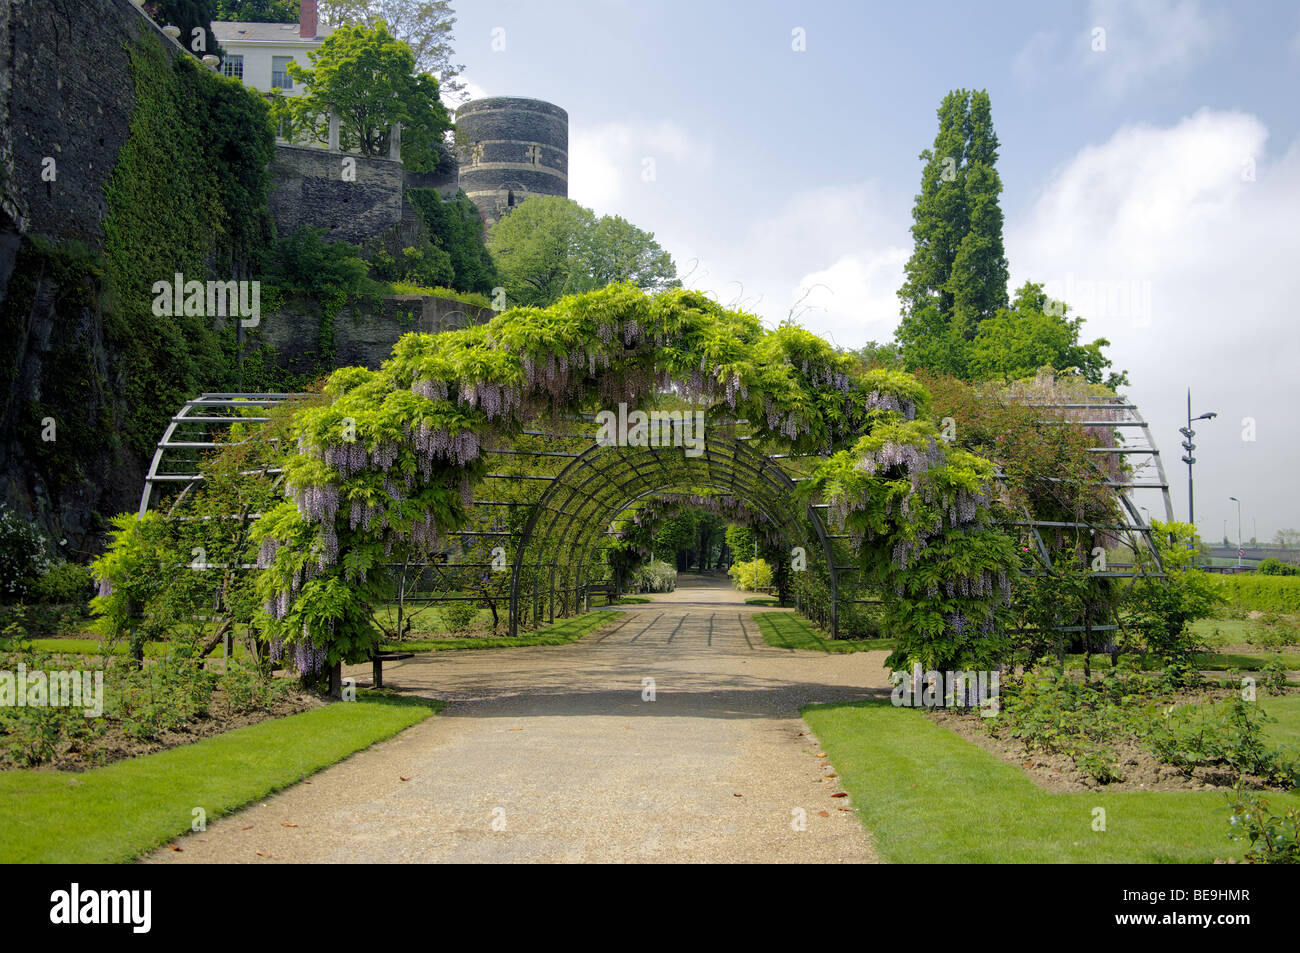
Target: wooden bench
{"points": [[600, 589], [377, 664]]}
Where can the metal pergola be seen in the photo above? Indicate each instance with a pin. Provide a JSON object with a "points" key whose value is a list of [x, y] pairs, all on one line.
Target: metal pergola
{"points": [[553, 521]]}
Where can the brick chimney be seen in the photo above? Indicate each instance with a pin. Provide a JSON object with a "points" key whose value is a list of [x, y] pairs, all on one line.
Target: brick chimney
{"points": [[307, 20]]}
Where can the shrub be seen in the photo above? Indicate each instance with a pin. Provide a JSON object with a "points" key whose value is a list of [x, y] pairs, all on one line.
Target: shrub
{"points": [[656, 576], [1273, 566], [1162, 608], [748, 576], [1273, 675], [1227, 735], [1263, 593], [1050, 711], [458, 616], [306, 263], [165, 695], [64, 582], [24, 555], [245, 687], [1274, 839]]}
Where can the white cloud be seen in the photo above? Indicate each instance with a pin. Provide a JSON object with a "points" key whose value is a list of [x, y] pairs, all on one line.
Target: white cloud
{"points": [[1173, 210], [473, 91], [840, 244], [857, 297], [1145, 40], [607, 161]]}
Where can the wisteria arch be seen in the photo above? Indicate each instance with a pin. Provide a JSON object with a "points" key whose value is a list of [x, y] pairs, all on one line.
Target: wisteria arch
{"points": [[390, 462]]}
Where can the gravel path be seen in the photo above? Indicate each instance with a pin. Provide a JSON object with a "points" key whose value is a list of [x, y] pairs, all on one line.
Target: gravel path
{"points": [[550, 754]]}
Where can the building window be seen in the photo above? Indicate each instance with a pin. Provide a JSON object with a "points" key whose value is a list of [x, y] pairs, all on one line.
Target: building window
{"points": [[280, 78], [233, 66]]}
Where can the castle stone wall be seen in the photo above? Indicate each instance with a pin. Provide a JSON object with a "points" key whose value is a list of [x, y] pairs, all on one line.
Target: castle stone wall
{"points": [[361, 336], [308, 190], [510, 148]]}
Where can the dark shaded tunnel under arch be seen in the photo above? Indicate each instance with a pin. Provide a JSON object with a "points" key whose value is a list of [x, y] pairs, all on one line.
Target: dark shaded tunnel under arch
{"points": [[570, 519]]}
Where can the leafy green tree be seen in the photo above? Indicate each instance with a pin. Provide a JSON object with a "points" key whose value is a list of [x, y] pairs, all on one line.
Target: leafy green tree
{"points": [[873, 354], [957, 275], [615, 250], [550, 246], [1030, 335], [536, 246], [455, 228], [257, 11], [423, 25], [189, 15], [304, 262], [366, 77]]}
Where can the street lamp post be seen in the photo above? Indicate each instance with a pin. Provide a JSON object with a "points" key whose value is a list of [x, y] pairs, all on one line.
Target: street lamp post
{"points": [[1188, 433], [1238, 502]]}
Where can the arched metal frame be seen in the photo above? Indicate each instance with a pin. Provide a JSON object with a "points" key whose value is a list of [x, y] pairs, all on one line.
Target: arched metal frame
{"points": [[601, 482], [193, 430]]}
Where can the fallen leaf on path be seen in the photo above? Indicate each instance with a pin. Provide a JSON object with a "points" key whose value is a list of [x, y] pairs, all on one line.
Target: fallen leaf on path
{"points": [[175, 848], [832, 775], [260, 854], [400, 778], [844, 809], [840, 794], [737, 795], [823, 813], [287, 824], [820, 754], [248, 828]]}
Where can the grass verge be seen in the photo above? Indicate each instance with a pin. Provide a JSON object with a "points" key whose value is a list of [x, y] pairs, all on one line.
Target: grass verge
{"points": [[86, 647], [116, 813], [785, 630], [561, 633], [929, 796], [1207, 661]]}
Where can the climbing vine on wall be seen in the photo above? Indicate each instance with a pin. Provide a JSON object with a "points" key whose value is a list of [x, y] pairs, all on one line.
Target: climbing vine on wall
{"points": [[188, 195]]}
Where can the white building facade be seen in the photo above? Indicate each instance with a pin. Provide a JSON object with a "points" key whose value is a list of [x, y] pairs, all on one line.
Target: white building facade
{"points": [[258, 54]]}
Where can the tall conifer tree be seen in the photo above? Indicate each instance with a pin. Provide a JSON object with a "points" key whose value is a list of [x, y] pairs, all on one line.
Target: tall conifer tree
{"points": [[957, 275]]}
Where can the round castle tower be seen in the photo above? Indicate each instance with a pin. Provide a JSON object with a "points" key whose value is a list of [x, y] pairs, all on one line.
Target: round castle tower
{"points": [[510, 148]]}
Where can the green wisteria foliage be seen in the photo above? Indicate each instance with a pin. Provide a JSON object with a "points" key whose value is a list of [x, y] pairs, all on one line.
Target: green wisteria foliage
{"points": [[919, 515], [387, 466]]}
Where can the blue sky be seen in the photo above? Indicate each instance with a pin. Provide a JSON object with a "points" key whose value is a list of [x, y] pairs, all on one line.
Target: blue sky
{"points": [[1164, 168]]}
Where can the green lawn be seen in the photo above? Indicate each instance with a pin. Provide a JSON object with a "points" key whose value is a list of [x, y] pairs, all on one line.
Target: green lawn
{"points": [[116, 813], [561, 633], [929, 796], [1207, 661], [785, 630], [84, 647], [1286, 709], [568, 630]]}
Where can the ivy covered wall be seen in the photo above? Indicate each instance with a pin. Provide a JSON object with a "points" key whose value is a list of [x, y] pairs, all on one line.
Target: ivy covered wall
{"points": [[127, 161]]}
